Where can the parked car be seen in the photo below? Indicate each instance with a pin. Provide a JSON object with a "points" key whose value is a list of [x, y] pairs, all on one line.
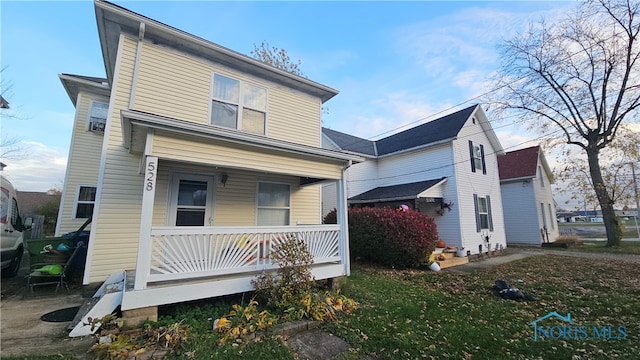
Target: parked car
{"points": [[11, 230]]}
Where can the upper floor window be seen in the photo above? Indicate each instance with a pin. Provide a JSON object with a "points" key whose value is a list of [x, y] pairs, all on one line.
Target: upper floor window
{"points": [[238, 105], [476, 153], [98, 116]]}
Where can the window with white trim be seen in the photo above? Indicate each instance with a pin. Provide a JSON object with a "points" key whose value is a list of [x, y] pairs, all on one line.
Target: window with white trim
{"points": [[238, 105], [85, 201], [274, 204], [483, 212], [98, 116], [540, 176]]}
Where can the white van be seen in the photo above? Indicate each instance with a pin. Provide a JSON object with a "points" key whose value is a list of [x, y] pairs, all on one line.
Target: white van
{"points": [[11, 228]]}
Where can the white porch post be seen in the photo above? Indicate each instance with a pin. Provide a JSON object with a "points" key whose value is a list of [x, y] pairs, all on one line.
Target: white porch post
{"points": [[144, 242], [342, 220]]}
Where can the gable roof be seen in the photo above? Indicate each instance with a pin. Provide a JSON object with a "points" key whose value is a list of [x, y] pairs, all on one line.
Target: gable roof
{"points": [[397, 192], [522, 163], [73, 84], [113, 20], [351, 143], [442, 129]]}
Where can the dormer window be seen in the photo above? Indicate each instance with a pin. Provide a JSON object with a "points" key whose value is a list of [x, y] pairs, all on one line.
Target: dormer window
{"points": [[238, 105]]}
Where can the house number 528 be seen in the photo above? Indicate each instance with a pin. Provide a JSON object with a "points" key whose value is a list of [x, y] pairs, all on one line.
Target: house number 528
{"points": [[150, 176]]}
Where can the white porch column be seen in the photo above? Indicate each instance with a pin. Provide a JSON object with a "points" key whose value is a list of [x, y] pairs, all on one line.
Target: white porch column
{"points": [[342, 220], [144, 242]]}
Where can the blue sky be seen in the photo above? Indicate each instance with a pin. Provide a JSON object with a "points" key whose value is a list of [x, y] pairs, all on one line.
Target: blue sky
{"points": [[394, 63]]}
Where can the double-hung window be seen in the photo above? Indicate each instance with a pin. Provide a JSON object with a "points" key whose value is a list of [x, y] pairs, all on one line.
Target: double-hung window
{"points": [[483, 212], [238, 105], [476, 154], [274, 204], [85, 202], [98, 116]]}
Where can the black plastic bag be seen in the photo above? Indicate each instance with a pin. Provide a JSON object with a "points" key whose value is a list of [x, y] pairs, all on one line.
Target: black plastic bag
{"points": [[506, 291]]}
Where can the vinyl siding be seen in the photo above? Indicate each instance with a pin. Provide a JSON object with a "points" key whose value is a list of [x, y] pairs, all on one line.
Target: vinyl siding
{"points": [[114, 239], [175, 85], [362, 177], [329, 198], [521, 213], [235, 203], [469, 183], [83, 162], [545, 196], [218, 153], [178, 85]]}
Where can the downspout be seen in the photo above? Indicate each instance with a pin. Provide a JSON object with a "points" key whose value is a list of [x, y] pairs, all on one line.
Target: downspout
{"points": [[343, 219], [136, 66]]}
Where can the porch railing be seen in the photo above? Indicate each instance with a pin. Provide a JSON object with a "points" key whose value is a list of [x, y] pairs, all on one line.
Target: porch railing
{"points": [[191, 252]]}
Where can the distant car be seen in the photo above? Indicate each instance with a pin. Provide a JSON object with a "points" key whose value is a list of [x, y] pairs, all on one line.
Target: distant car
{"points": [[11, 228]]}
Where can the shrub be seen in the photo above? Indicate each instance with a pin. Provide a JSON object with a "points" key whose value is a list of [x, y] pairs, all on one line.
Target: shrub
{"points": [[569, 239], [292, 281], [389, 237]]}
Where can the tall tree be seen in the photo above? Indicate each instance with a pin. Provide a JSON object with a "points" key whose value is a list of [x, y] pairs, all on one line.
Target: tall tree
{"points": [[580, 77]]}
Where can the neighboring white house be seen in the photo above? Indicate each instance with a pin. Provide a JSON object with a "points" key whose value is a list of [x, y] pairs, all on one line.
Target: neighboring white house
{"points": [[446, 168], [194, 161], [527, 200]]}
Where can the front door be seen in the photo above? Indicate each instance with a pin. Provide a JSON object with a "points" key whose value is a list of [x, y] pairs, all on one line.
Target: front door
{"points": [[191, 200]]}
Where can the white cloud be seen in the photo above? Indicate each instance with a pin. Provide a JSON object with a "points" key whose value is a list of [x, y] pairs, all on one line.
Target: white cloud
{"points": [[42, 169]]}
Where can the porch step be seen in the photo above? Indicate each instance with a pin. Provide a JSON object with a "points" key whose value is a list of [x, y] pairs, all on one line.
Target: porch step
{"points": [[104, 302], [451, 260]]}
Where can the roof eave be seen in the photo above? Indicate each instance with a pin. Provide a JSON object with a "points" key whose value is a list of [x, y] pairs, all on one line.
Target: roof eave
{"points": [[128, 22], [132, 117], [420, 147], [73, 85], [517, 179]]}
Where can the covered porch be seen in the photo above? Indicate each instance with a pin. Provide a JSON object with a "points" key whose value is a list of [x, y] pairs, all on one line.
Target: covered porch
{"points": [[214, 208]]}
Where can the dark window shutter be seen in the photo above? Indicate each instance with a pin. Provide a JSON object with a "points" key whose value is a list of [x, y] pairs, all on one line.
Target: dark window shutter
{"points": [[484, 166], [489, 211], [473, 165], [475, 206]]}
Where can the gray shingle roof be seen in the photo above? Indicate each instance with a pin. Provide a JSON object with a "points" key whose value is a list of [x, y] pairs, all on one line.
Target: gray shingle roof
{"points": [[351, 143], [397, 192], [444, 128]]}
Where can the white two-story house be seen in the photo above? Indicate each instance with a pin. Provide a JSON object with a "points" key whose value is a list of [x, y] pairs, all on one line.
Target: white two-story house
{"points": [[446, 168]]}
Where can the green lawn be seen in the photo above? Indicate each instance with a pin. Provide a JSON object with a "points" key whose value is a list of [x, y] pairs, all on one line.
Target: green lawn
{"points": [[599, 247], [415, 314]]}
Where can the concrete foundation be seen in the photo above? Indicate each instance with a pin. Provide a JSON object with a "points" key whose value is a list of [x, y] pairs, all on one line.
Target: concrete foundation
{"points": [[133, 318]]}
